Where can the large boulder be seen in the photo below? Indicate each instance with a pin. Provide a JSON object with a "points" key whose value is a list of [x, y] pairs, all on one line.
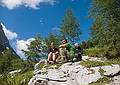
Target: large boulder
{"points": [[111, 70]]}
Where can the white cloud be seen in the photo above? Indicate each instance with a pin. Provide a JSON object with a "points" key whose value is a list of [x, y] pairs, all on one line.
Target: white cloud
{"points": [[10, 35], [55, 29], [22, 45], [11, 4]]}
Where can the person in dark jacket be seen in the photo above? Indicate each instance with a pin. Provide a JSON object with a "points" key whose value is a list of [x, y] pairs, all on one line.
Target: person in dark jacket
{"points": [[53, 53], [78, 52]]}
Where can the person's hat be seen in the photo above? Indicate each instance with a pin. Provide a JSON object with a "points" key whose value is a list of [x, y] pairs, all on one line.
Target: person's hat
{"points": [[76, 44]]}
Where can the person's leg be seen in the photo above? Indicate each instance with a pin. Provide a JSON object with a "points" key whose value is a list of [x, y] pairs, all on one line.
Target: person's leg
{"points": [[54, 57], [80, 57], [63, 54], [50, 56]]}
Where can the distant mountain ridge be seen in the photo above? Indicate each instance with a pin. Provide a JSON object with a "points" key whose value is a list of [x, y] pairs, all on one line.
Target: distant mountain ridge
{"points": [[4, 42]]}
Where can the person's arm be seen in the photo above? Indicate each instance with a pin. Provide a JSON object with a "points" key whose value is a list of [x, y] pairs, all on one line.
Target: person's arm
{"points": [[56, 52], [63, 45]]}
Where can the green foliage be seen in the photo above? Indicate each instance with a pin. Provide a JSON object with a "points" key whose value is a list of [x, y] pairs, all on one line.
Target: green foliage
{"points": [[2, 48], [111, 51], [9, 62], [70, 27], [102, 81], [106, 30], [52, 38], [17, 79], [41, 65], [101, 71], [107, 51], [95, 63], [100, 63], [87, 44], [36, 49], [95, 52], [115, 61]]}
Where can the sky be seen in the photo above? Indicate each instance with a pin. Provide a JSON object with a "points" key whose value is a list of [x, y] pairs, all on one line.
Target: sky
{"points": [[23, 19]]}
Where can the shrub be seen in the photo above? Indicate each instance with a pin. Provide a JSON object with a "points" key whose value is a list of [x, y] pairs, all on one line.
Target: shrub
{"points": [[112, 52], [95, 51], [115, 61]]}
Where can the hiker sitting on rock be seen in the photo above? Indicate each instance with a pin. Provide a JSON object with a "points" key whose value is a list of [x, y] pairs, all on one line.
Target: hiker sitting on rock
{"points": [[64, 50], [78, 52], [53, 53]]}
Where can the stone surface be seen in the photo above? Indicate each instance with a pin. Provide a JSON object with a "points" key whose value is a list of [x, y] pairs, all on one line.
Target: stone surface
{"points": [[16, 71], [115, 81], [111, 70], [72, 74], [36, 66], [68, 74]]}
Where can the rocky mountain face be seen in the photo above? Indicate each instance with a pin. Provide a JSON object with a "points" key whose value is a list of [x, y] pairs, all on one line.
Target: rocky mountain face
{"points": [[4, 42]]}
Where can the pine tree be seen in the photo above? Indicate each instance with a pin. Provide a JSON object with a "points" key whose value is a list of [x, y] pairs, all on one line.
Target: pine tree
{"points": [[70, 27], [106, 28], [36, 49], [52, 38]]}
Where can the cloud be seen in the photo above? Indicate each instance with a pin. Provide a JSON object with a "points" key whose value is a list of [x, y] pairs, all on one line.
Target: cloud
{"points": [[41, 21], [22, 45], [55, 29], [10, 35], [11, 4]]}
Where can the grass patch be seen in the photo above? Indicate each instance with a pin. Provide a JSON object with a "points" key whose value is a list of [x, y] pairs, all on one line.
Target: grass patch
{"points": [[101, 71], [41, 65], [102, 81], [95, 63], [53, 65], [115, 61], [17, 79], [100, 63], [95, 51], [56, 65]]}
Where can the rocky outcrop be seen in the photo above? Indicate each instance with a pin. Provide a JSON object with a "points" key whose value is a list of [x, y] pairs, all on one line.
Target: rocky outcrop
{"points": [[71, 74]]}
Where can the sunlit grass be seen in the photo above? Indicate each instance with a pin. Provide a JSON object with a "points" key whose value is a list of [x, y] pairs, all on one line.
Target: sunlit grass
{"points": [[16, 79], [100, 63]]}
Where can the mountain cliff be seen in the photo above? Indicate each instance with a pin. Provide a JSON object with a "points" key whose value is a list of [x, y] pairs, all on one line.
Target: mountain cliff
{"points": [[4, 42]]}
